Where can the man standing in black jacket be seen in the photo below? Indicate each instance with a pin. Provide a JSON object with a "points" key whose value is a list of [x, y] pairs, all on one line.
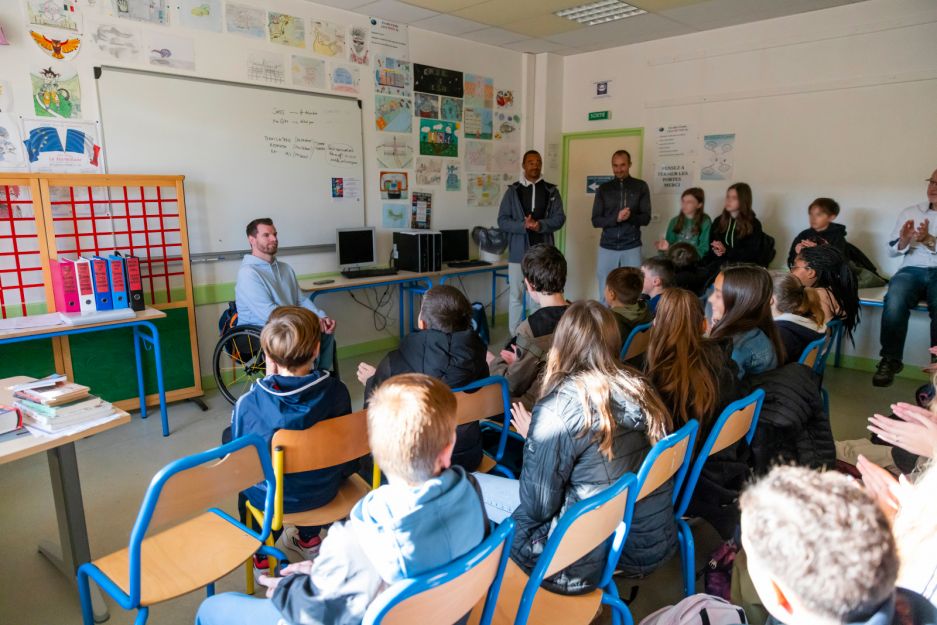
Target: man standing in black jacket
{"points": [[621, 207]]}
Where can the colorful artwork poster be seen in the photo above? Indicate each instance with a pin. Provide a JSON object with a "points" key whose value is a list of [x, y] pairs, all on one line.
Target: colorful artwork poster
{"points": [[201, 15], [478, 156], [241, 19], [450, 109], [394, 185], [12, 156], [395, 151], [393, 114], [436, 80], [394, 216], [506, 158], [308, 72], [286, 30], [69, 146], [344, 78], [439, 138], [504, 99], [62, 14], [393, 77], [149, 11], [453, 176], [483, 190], [118, 41], [507, 127], [390, 39], [358, 51], [328, 39], [170, 51], [426, 105], [56, 91], [428, 172], [421, 210], [477, 107], [268, 67], [54, 47], [718, 157]]}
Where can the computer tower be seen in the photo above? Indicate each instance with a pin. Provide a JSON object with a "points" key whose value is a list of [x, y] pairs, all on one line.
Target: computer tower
{"points": [[418, 250]]}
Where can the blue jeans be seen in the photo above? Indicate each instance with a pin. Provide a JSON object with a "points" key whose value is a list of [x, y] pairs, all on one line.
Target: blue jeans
{"points": [[613, 259], [234, 608], [908, 287]]}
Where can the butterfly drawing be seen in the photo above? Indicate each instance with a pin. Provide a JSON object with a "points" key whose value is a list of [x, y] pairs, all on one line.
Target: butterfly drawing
{"points": [[58, 48]]}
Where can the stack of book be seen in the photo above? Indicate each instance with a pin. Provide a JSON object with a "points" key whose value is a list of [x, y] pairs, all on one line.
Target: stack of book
{"points": [[54, 404]]}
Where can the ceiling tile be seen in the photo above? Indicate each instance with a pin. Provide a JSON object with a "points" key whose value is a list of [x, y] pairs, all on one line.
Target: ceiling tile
{"points": [[622, 32], [534, 46], [499, 12], [443, 6], [348, 5], [721, 13], [494, 36], [656, 6], [395, 11], [542, 26], [448, 25]]}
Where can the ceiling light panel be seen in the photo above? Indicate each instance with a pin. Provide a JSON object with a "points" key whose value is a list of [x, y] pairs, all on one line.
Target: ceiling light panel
{"points": [[600, 12]]}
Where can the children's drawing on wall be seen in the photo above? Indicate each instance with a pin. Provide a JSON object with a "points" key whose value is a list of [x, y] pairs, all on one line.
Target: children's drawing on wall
{"points": [[394, 216], [394, 185], [200, 14], [62, 146], [504, 99], [428, 172], [506, 158], [12, 156], [450, 109], [394, 151], [55, 13], [358, 45], [122, 43], [507, 127], [392, 114], [287, 30], [268, 67], [453, 176], [56, 48], [241, 19], [308, 72], [477, 156], [483, 190], [439, 138], [165, 50], [426, 105], [344, 78], [393, 77], [328, 39], [56, 91], [421, 210], [477, 107], [718, 157], [150, 11]]}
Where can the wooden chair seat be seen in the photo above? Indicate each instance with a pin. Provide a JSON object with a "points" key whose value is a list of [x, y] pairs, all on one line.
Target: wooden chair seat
{"points": [[487, 464], [351, 491], [190, 555]]}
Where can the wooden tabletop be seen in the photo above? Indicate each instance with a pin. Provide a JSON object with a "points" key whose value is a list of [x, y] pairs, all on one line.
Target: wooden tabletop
{"points": [[340, 281], [147, 314], [26, 445]]}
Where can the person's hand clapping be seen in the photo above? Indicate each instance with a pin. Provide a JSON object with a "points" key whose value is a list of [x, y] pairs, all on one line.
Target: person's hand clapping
{"points": [[520, 418], [881, 486], [906, 233], [915, 430]]}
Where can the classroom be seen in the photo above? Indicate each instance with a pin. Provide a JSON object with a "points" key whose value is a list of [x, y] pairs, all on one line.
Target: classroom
{"points": [[468, 311]]}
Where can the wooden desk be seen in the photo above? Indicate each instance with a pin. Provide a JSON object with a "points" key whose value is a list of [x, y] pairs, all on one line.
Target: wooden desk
{"points": [[72, 550], [144, 332]]}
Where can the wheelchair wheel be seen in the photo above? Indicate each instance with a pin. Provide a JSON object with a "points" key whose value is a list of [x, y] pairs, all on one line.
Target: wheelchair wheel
{"points": [[238, 361]]}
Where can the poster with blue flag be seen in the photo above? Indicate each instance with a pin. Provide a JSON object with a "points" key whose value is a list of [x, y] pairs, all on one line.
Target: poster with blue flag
{"points": [[62, 146]]}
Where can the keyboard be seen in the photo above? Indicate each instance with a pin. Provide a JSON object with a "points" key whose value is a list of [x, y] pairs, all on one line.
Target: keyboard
{"points": [[462, 264], [369, 273]]}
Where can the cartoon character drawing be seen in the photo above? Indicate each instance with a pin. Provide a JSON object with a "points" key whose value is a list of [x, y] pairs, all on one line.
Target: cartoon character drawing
{"points": [[358, 51], [58, 48], [505, 98], [50, 93]]}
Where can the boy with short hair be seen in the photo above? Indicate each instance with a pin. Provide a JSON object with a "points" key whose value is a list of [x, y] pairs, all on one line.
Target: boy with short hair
{"points": [[658, 275], [446, 348], [293, 396], [623, 295], [823, 230], [428, 515], [522, 360], [821, 552]]}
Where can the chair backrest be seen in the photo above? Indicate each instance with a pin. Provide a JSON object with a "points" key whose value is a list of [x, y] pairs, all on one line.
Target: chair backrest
{"points": [[811, 355], [483, 399], [326, 444], [450, 592], [835, 332], [637, 342], [737, 421], [669, 457]]}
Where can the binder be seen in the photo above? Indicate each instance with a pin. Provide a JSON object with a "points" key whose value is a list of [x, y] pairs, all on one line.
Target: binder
{"points": [[85, 286], [115, 274], [134, 282], [102, 286], [64, 286]]}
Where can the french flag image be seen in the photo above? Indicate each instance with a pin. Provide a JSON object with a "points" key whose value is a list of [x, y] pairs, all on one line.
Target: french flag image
{"points": [[77, 141]]}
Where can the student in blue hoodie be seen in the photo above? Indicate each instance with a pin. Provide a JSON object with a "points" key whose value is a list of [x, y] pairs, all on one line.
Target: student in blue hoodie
{"points": [[293, 396], [429, 514]]}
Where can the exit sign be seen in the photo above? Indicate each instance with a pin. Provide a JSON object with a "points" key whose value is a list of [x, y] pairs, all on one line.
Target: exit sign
{"points": [[598, 115]]}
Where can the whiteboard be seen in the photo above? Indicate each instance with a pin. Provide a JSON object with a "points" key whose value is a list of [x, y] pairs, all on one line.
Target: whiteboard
{"points": [[246, 151]]}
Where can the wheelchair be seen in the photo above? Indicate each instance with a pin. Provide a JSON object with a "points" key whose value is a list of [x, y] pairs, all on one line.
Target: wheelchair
{"points": [[237, 361]]}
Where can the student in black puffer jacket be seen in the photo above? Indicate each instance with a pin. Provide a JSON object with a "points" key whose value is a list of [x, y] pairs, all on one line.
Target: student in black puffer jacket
{"points": [[446, 348], [595, 422]]}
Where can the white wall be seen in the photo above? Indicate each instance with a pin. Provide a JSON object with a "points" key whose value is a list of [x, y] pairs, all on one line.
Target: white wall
{"points": [[839, 103]]}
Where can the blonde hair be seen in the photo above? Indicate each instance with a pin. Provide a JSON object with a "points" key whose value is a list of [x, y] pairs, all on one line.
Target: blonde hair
{"points": [[411, 419], [291, 336], [791, 296], [585, 352]]}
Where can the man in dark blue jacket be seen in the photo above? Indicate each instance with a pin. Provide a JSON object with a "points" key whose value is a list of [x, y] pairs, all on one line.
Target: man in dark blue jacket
{"points": [[621, 207]]}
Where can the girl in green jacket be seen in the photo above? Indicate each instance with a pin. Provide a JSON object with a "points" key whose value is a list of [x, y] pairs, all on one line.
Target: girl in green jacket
{"points": [[691, 225]]}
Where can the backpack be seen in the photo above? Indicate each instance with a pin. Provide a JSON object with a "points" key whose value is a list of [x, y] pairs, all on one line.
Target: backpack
{"points": [[698, 609], [480, 322], [228, 319], [718, 572], [767, 250], [867, 275]]}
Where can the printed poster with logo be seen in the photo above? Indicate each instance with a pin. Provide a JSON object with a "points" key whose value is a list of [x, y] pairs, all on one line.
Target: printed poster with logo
{"points": [[421, 210], [67, 146]]}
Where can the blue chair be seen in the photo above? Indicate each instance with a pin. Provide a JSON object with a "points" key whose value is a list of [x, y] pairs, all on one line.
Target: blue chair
{"points": [[817, 353], [811, 356], [636, 343], [194, 544], [450, 592], [601, 519], [481, 401], [738, 420]]}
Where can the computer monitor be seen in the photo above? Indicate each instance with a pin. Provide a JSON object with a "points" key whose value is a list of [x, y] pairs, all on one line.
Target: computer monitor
{"points": [[455, 245], [355, 247]]}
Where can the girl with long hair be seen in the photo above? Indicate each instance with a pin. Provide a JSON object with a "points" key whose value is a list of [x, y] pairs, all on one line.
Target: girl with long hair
{"points": [[691, 226], [825, 270], [798, 314], [736, 236]]}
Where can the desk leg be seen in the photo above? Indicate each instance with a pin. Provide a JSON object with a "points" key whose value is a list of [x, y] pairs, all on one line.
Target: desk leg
{"points": [[72, 549], [400, 306], [153, 339], [136, 353], [494, 295]]}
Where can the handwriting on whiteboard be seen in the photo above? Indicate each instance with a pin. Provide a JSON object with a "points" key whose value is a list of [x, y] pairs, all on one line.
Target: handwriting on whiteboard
{"points": [[342, 155]]}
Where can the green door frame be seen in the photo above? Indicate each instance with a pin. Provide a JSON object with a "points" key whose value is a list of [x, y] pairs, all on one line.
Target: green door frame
{"points": [[594, 134]]}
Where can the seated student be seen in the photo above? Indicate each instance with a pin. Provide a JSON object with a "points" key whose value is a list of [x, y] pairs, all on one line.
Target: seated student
{"points": [[691, 226], [822, 231], [523, 358], [736, 236], [428, 515], [688, 274], [820, 551], [623, 295], [658, 275], [446, 348], [826, 271], [797, 314], [697, 378], [594, 422], [293, 396], [741, 311]]}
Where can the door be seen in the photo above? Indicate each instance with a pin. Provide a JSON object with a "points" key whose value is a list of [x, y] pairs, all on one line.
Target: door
{"points": [[587, 161]]}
